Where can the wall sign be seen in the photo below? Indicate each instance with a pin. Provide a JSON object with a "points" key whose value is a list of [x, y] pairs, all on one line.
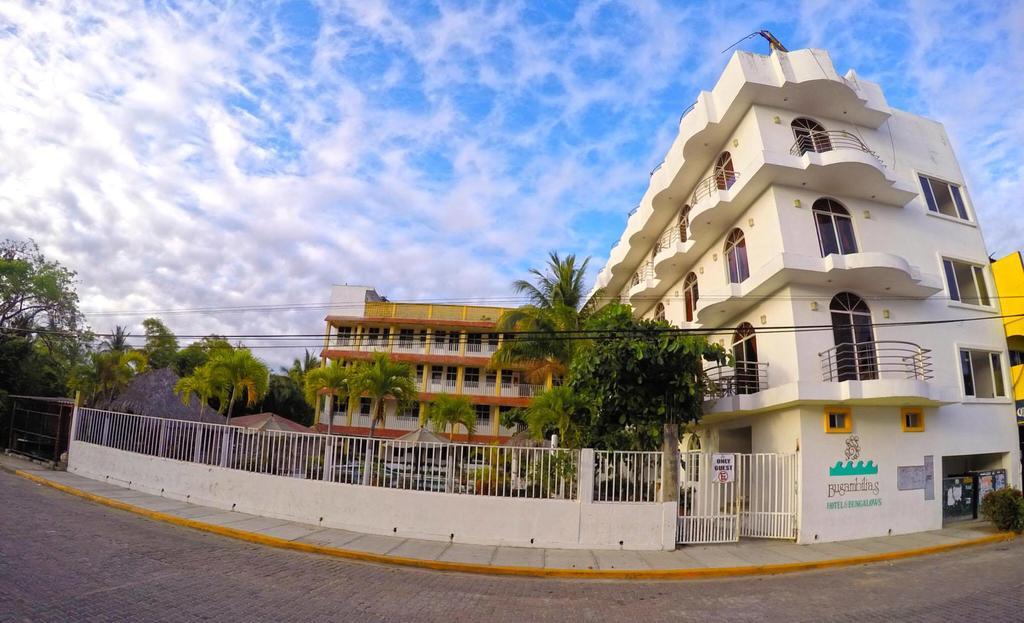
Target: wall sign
{"points": [[855, 483], [723, 467]]}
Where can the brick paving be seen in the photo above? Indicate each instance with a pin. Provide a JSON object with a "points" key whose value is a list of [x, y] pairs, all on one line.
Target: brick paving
{"points": [[65, 559]]}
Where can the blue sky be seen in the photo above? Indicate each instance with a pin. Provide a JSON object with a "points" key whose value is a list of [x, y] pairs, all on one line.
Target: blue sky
{"points": [[183, 154]]}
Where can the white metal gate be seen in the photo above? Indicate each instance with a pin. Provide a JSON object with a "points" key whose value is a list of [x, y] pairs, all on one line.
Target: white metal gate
{"points": [[759, 502]]}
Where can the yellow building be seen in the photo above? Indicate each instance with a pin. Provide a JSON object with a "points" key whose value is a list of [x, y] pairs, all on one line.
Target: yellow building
{"points": [[450, 347], [1009, 277]]}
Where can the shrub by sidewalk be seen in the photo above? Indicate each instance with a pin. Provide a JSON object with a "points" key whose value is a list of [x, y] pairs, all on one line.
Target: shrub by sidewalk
{"points": [[1005, 508]]}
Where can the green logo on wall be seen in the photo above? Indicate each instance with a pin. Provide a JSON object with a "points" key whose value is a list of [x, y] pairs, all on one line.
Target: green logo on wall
{"points": [[849, 469]]}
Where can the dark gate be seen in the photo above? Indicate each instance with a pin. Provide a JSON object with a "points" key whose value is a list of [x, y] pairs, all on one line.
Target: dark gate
{"points": [[39, 426]]}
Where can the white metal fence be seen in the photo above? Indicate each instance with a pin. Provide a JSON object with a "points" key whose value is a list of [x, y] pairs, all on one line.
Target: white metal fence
{"points": [[627, 476], [760, 501], [468, 469]]}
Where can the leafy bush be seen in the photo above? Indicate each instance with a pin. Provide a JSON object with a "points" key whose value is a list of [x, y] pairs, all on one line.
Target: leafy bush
{"points": [[1004, 508]]}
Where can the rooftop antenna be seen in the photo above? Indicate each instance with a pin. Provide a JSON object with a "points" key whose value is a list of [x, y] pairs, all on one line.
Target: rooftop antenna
{"points": [[773, 43]]}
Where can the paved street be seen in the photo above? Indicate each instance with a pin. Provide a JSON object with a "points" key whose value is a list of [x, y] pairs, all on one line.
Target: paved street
{"points": [[63, 558]]}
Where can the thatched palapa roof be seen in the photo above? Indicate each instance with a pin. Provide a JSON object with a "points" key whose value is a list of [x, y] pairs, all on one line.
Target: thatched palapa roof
{"points": [[152, 393], [269, 421]]}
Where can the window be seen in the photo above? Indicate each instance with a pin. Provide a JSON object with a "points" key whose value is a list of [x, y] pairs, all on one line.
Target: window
{"points": [[483, 414], [854, 357], [373, 336], [1016, 357], [690, 295], [744, 351], [982, 372], [557, 380], [405, 337], [344, 336], [636, 278], [943, 197], [835, 228], [411, 412], [451, 373], [659, 312], [736, 256], [838, 420], [724, 174], [492, 340], [810, 136], [912, 419], [471, 376], [364, 406], [684, 223], [966, 282]]}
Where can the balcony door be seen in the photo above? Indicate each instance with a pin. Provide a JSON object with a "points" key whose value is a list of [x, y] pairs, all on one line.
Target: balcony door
{"points": [[855, 355], [744, 351], [725, 175], [810, 136]]}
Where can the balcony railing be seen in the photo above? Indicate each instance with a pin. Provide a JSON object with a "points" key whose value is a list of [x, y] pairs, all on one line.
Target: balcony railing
{"points": [[520, 390], [721, 180], [441, 386], [868, 361], [745, 377], [481, 349], [667, 240], [829, 140], [409, 347], [643, 273]]}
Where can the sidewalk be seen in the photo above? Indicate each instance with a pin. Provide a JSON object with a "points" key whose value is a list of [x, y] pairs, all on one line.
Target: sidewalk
{"points": [[748, 557]]}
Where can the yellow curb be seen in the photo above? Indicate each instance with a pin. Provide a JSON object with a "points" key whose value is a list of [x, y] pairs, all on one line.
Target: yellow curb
{"points": [[594, 574]]}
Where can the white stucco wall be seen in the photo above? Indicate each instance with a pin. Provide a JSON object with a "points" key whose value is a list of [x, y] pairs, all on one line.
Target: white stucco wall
{"points": [[376, 510]]}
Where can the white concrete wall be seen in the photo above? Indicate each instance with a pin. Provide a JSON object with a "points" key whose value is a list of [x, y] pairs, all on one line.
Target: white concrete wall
{"points": [[376, 510]]}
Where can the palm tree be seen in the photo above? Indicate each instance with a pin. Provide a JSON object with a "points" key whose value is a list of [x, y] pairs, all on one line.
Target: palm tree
{"points": [[555, 409], [451, 411], [201, 383], [118, 340], [556, 305], [382, 379], [332, 380], [236, 372], [301, 367]]}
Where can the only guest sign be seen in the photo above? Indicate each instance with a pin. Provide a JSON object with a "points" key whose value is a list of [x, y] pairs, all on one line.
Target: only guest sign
{"points": [[723, 467]]}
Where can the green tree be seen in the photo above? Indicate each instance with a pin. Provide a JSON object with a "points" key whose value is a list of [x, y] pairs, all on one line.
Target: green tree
{"points": [[41, 334], [118, 340], [198, 353], [333, 380], [558, 410], [301, 367], [447, 411], [201, 384], [107, 374], [237, 372], [380, 380], [285, 398], [638, 380], [161, 345], [556, 305]]}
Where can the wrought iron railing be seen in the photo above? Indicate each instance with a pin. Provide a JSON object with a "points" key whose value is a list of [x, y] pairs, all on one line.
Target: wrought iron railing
{"points": [[828, 140], [744, 377], [881, 359], [720, 180], [643, 274]]}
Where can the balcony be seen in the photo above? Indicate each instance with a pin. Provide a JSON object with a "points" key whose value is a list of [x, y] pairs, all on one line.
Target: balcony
{"points": [[878, 360], [484, 349], [869, 272], [409, 347], [441, 386], [669, 251], [644, 283], [741, 379], [521, 390]]}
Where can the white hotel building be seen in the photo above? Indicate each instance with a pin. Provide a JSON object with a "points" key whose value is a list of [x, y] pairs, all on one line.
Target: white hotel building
{"points": [[794, 196]]}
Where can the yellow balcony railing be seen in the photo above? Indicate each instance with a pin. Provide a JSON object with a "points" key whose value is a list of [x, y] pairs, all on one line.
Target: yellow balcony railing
{"points": [[429, 311]]}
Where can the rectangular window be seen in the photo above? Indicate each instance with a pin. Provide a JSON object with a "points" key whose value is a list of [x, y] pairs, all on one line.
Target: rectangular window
{"points": [[451, 373], [966, 282], [982, 373], [436, 373], [405, 337], [912, 419], [364, 406], [943, 197], [344, 337], [411, 412], [474, 339], [838, 420], [419, 373], [471, 375], [483, 414], [1016, 357]]}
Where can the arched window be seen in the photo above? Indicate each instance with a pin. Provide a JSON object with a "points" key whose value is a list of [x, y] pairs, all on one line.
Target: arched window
{"points": [[725, 176], [659, 312], [835, 228], [810, 136], [636, 278], [690, 295], [684, 223], [855, 357], [744, 350], [736, 256]]}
